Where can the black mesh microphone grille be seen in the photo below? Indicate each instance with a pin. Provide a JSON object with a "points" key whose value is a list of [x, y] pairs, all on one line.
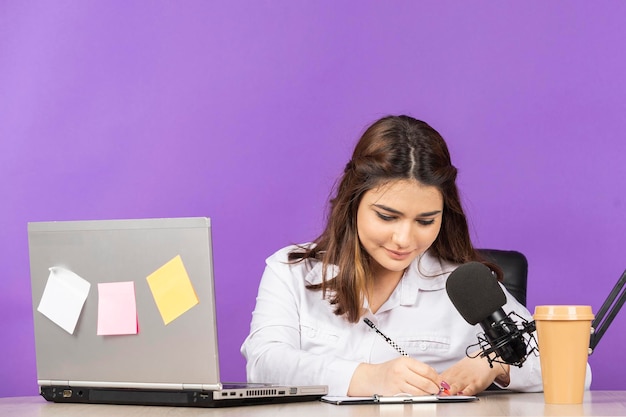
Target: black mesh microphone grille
{"points": [[475, 292]]}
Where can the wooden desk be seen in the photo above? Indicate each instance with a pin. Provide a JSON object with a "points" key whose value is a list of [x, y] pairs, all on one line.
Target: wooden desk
{"points": [[596, 403]]}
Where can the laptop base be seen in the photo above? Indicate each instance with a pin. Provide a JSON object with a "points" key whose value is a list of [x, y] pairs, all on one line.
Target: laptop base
{"points": [[172, 398]]}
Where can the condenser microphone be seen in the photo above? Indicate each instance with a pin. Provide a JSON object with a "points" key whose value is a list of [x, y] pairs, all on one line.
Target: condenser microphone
{"points": [[476, 294]]}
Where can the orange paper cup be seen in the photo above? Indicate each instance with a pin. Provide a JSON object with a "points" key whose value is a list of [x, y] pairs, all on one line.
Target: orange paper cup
{"points": [[563, 334]]}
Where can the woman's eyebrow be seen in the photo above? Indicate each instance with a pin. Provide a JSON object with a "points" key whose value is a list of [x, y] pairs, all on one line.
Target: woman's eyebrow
{"points": [[430, 213], [394, 211], [389, 209]]}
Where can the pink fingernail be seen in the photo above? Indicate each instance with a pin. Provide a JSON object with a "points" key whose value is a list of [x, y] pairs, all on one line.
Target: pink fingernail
{"points": [[445, 385]]}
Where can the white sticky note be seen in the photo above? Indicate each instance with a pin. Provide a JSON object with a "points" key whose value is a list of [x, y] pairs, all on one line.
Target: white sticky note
{"points": [[63, 298]]}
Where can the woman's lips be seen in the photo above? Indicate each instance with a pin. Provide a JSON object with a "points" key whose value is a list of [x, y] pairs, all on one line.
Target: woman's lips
{"points": [[398, 255]]}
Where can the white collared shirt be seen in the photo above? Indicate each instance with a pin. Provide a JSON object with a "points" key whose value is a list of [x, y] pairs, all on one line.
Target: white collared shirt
{"points": [[295, 337]]}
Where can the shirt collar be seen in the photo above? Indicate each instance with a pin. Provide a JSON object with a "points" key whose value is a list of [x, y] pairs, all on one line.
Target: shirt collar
{"points": [[314, 276], [425, 273]]}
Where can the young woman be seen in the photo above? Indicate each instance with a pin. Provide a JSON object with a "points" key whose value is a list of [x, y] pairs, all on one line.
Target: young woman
{"points": [[395, 231]]}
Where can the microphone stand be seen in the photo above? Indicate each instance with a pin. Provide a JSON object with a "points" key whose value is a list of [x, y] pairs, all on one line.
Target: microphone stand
{"points": [[599, 324]]}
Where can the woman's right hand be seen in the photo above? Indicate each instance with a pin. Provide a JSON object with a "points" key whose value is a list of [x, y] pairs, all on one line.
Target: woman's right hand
{"points": [[403, 375]]}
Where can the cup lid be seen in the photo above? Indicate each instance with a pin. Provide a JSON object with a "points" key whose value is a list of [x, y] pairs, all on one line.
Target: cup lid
{"points": [[563, 312]]}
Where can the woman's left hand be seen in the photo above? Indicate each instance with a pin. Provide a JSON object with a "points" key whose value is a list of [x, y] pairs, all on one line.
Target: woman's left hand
{"points": [[470, 376]]}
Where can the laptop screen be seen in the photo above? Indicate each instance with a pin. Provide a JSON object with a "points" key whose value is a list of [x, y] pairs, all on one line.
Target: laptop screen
{"points": [[124, 303]]}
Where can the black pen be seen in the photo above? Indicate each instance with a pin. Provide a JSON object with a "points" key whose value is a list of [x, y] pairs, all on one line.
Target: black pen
{"points": [[387, 339]]}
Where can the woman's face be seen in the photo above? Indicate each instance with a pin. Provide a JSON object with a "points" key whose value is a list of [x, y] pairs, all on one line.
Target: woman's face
{"points": [[399, 221]]}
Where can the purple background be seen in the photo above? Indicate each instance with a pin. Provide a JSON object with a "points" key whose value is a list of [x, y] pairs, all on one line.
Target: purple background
{"points": [[246, 112]]}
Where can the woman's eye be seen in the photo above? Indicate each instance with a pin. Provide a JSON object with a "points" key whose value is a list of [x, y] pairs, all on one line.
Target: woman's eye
{"points": [[426, 222], [385, 217]]}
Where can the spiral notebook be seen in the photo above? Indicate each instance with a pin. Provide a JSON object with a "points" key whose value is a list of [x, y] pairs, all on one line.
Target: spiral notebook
{"points": [[398, 399]]}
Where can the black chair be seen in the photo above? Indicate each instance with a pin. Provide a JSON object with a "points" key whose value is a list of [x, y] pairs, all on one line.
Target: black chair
{"points": [[515, 268]]}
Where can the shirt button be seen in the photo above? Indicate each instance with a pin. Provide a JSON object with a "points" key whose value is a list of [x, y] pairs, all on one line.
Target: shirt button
{"points": [[423, 346]]}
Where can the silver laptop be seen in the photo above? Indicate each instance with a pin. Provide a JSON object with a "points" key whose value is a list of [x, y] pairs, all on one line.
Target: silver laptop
{"points": [[124, 313]]}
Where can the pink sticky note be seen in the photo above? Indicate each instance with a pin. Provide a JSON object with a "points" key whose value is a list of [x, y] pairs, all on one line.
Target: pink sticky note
{"points": [[117, 310]]}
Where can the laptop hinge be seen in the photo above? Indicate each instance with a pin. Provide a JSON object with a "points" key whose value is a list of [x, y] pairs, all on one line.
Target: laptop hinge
{"points": [[203, 387], [109, 384], [51, 382]]}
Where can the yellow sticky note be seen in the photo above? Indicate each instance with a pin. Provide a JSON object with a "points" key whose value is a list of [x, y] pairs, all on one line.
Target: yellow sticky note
{"points": [[172, 290]]}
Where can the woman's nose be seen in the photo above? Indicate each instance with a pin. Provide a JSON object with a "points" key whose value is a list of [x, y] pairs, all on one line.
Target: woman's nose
{"points": [[402, 235]]}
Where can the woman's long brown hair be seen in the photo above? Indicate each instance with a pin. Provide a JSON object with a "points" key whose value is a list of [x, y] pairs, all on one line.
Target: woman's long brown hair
{"points": [[393, 148]]}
